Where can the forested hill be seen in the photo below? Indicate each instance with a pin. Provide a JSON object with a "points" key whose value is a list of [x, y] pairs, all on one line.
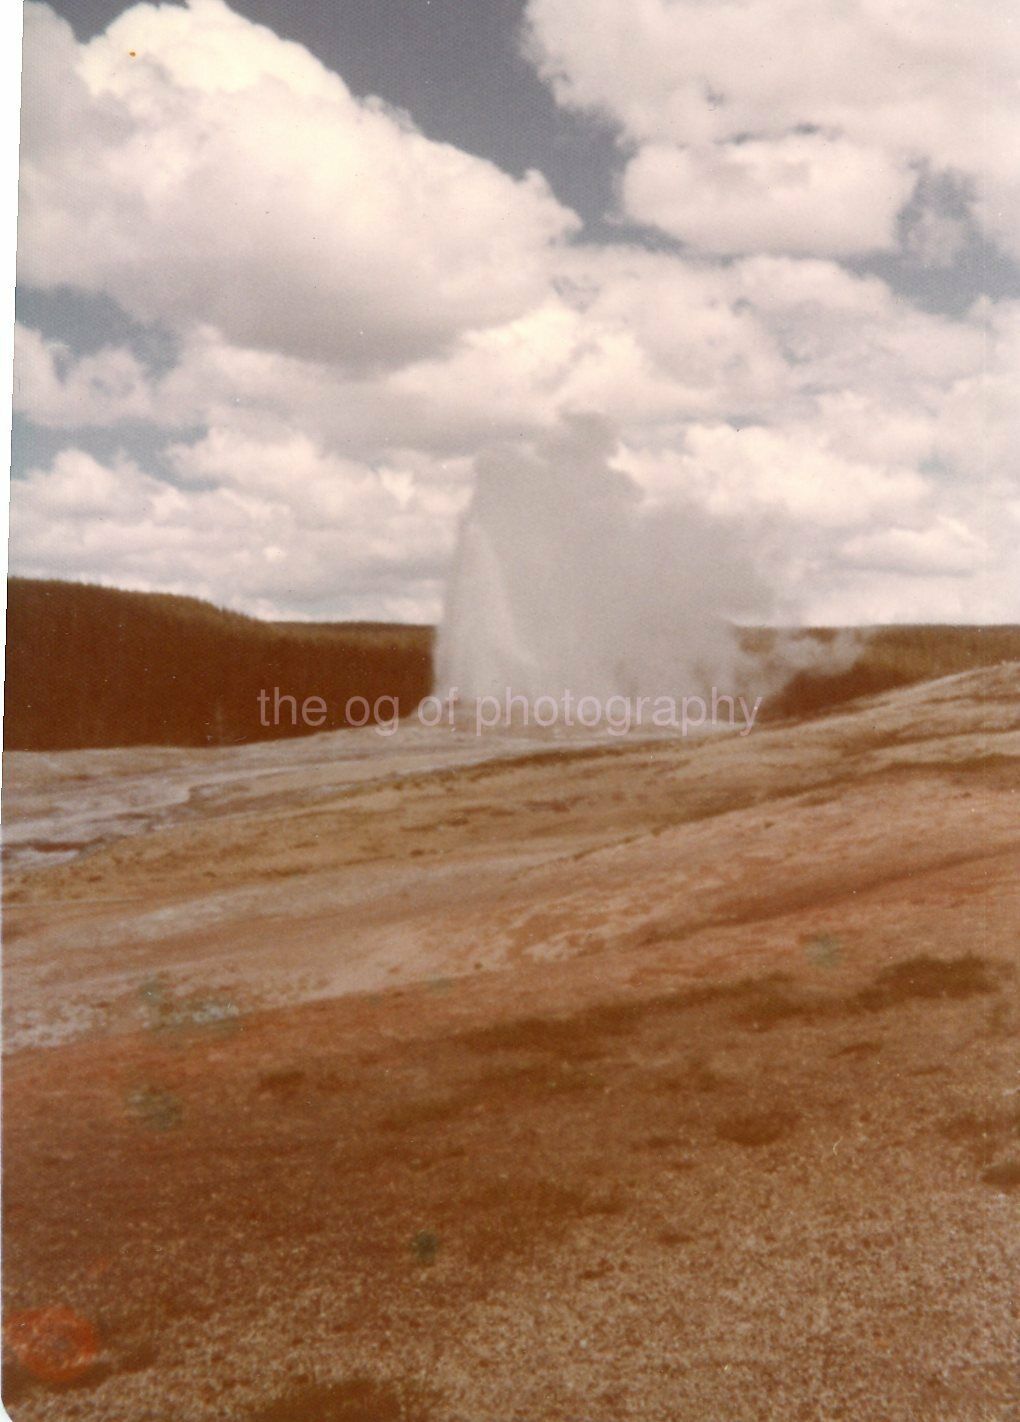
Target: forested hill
{"points": [[96, 666]]}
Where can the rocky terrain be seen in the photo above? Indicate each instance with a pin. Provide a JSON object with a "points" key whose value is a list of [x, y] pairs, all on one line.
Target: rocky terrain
{"points": [[355, 1079]]}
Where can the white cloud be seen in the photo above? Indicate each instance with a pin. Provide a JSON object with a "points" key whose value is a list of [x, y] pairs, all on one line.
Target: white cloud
{"points": [[891, 86], [227, 184], [55, 389], [636, 336], [978, 421], [278, 543], [875, 598], [198, 168], [793, 472], [946, 546], [797, 193], [806, 401]]}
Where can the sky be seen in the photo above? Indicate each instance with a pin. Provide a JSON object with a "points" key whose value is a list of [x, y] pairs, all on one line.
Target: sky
{"points": [[289, 273]]}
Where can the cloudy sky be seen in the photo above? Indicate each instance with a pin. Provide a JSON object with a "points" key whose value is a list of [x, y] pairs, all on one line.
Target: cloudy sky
{"points": [[289, 269]]}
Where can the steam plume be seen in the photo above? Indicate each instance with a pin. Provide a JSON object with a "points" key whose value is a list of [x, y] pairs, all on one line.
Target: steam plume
{"points": [[566, 577]]}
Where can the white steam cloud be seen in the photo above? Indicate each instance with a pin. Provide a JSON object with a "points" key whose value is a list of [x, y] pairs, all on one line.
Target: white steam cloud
{"points": [[569, 578]]}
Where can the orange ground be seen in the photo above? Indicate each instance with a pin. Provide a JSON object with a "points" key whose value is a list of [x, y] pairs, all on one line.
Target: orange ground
{"points": [[671, 1082]]}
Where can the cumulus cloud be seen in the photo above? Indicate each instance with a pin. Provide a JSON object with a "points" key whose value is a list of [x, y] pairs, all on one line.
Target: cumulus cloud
{"points": [[806, 402], [839, 107], [798, 193], [945, 546], [795, 472], [360, 314], [303, 536], [198, 168], [53, 388]]}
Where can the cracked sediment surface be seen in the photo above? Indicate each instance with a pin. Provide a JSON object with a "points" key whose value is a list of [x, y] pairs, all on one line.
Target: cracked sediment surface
{"points": [[664, 1080]]}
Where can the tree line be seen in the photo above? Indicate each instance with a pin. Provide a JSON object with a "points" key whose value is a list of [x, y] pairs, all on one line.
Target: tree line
{"points": [[92, 666]]}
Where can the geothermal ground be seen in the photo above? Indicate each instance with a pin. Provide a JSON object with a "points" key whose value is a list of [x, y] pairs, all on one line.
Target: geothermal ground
{"points": [[354, 1080]]}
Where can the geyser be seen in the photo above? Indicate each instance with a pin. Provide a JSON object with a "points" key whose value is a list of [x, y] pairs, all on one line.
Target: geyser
{"points": [[568, 578]]}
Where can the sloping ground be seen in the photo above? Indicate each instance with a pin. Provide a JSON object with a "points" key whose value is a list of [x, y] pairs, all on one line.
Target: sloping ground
{"points": [[671, 1081]]}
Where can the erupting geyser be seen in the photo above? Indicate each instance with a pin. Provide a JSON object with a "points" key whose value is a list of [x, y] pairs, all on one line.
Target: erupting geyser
{"points": [[567, 578]]}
